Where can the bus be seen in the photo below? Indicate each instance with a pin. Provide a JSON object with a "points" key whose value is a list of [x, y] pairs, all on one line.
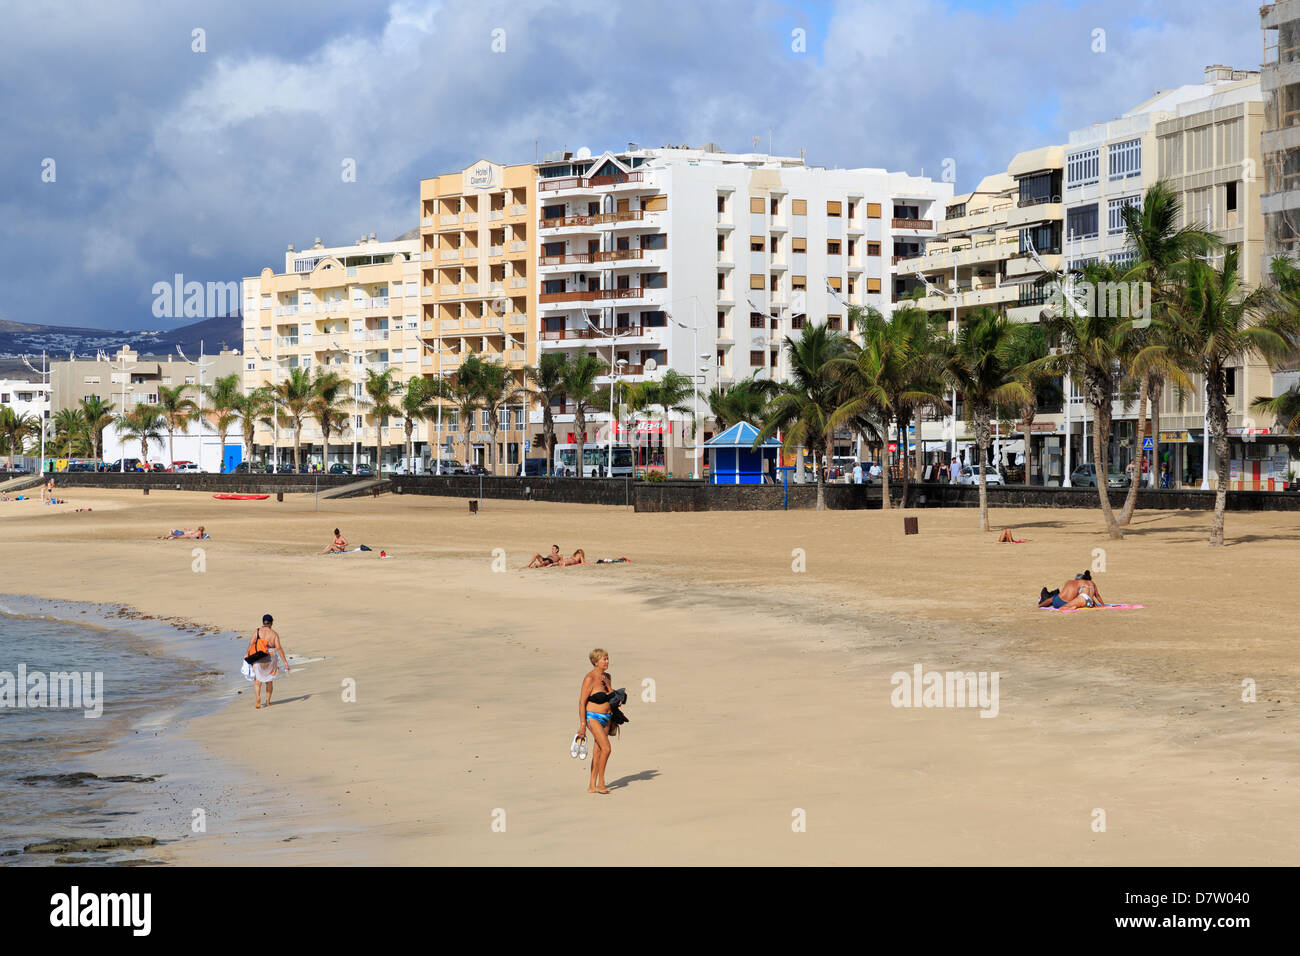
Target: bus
{"points": [[595, 460]]}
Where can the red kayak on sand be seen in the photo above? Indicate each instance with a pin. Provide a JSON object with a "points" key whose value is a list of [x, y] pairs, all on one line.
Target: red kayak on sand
{"points": [[243, 497]]}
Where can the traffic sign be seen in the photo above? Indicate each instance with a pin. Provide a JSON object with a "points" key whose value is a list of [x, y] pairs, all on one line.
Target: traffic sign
{"points": [[528, 444], [893, 446], [1148, 444]]}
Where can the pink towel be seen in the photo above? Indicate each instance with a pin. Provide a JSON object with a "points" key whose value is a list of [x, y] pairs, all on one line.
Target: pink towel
{"points": [[1120, 607]]}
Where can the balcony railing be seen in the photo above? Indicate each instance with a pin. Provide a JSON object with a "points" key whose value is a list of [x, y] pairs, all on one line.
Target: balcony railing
{"points": [[588, 182], [626, 215], [586, 332], [912, 223], [585, 258], [1037, 201], [594, 295]]}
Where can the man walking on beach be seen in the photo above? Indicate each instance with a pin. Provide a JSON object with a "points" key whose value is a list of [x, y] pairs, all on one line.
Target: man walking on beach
{"points": [[266, 642]]}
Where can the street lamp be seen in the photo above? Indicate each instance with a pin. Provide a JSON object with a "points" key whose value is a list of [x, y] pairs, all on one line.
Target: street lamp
{"points": [[353, 355], [614, 376], [44, 372], [613, 335], [694, 329], [953, 295]]}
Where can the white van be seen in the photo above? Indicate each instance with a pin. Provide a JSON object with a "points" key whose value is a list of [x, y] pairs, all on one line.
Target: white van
{"points": [[595, 460]]}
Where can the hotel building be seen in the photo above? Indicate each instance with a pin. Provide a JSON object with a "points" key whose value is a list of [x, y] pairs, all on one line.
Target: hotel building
{"points": [[704, 262], [351, 309], [478, 297]]}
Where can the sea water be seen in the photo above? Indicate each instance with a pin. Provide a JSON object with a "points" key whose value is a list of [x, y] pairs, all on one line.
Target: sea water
{"points": [[60, 775]]}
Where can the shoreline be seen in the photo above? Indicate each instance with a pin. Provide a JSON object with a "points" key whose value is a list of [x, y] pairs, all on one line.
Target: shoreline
{"points": [[773, 688]]}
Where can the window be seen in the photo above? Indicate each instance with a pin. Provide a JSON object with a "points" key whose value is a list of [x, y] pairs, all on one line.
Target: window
{"points": [[832, 208], [1126, 159], [722, 320], [756, 358], [1046, 240], [955, 211], [873, 248], [756, 204], [756, 320], [873, 285], [722, 204], [873, 210], [799, 282], [798, 245], [853, 245], [833, 322], [755, 243], [797, 321], [1230, 381], [853, 207], [1115, 214], [1083, 169], [756, 282], [833, 282], [1231, 196], [655, 319], [655, 204], [799, 207], [1037, 189], [91, 380], [658, 240], [1081, 222], [654, 280], [832, 247]]}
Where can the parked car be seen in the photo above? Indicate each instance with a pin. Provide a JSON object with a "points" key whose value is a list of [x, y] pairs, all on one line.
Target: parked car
{"points": [[1085, 476], [532, 468], [970, 476], [179, 466], [83, 466], [475, 470], [131, 464], [251, 468]]}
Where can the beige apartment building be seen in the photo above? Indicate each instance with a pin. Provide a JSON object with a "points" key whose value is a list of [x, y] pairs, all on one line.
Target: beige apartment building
{"points": [[128, 378], [477, 251], [353, 309]]}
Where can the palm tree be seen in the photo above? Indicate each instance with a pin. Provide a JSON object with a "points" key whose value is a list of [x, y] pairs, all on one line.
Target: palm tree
{"points": [[291, 398], [805, 402], [145, 423], [1040, 387], [497, 390], [257, 406], [893, 375], [673, 392], [982, 367], [745, 401], [70, 430], [1215, 326], [98, 415], [419, 400], [579, 379], [224, 396], [15, 429], [1159, 244], [1284, 408], [545, 383], [328, 391], [384, 400], [466, 394], [1090, 351], [179, 412]]}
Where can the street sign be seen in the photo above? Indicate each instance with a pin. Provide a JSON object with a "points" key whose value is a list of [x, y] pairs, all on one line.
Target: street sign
{"points": [[893, 446], [1148, 444], [528, 444]]}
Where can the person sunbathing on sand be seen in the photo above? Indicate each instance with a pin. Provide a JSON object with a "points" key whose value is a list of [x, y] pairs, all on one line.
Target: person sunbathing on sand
{"points": [[579, 557], [546, 560], [180, 533], [1079, 592], [339, 544]]}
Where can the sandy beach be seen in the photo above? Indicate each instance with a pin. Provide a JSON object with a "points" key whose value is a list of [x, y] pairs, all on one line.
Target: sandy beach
{"points": [[771, 686]]}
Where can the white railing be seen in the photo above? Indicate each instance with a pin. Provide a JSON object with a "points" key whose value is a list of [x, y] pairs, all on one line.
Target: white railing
{"points": [[496, 214], [518, 245], [450, 220], [285, 341], [518, 210], [449, 254], [518, 282], [496, 287], [286, 310], [427, 221], [428, 255], [518, 318], [469, 217], [496, 251], [471, 322], [470, 288], [449, 289], [518, 355], [428, 290]]}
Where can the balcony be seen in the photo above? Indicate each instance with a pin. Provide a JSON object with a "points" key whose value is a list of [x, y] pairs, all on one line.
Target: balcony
{"points": [[588, 182], [448, 220], [600, 219], [926, 225], [449, 254], [496, 250], [284, 341], [595, 295], [518, 209], [518, 245], [586, 332]]}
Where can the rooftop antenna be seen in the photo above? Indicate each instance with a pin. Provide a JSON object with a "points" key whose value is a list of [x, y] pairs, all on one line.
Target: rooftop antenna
{"points": [[756, 139]]}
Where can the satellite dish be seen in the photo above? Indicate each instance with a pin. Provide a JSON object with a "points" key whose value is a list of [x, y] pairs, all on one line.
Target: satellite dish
{"points": [[650, 365], [582, 153]]}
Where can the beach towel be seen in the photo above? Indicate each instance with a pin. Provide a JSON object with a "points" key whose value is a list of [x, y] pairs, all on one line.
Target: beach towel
{"points": [[613, 561], [1115, 607], [260, 671], [350, 550]]}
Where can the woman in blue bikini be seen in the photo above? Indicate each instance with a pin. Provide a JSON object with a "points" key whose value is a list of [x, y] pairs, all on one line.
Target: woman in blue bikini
{"points": [[593, 712]]}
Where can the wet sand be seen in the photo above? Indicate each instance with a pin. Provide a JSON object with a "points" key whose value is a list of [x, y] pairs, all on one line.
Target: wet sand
{"points": [[772, 686]]}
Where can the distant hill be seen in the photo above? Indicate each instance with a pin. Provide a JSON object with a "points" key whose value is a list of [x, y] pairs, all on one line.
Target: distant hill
{"points": [[59, 341]]}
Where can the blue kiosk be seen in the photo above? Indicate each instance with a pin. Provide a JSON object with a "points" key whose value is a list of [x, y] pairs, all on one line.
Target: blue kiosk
{"points": [[736, 461]]}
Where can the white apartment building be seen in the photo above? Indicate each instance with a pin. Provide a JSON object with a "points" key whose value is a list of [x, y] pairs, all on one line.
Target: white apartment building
{"points": [[26, 398], [705, 261], [353, 308]]}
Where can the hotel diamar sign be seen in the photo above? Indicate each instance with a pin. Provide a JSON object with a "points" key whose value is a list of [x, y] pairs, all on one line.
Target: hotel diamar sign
{"points": [[482, 175]]}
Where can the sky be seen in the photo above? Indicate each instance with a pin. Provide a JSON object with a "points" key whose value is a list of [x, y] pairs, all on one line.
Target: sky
{"points": [[139, 140]]}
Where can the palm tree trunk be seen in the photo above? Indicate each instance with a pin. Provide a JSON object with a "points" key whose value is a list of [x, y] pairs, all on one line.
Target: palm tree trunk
{"points": [[297, 446], [1100, 435], [821, 490], [580, 426], [982, 429], [1219, 435], [1130, 501], [1157, 390]]}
